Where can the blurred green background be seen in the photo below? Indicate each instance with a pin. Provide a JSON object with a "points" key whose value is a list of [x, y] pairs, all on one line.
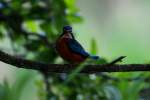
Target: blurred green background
{"points": [[108, 28]]}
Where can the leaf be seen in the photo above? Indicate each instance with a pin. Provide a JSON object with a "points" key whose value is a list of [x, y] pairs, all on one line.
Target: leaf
{"points": [[5, 91], [2, 92], [75, 72], [19, 85], [112, 93], [2, 31], [93, 47], [32, 26], [74, 18]]}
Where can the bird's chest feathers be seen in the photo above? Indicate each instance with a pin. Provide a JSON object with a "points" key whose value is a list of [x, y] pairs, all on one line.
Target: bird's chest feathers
{"points": [[62, 47], [62, 43], [64, 51]]}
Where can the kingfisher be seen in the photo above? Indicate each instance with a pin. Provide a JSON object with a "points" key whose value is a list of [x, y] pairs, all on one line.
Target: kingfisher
{"points": [[70, 49]]}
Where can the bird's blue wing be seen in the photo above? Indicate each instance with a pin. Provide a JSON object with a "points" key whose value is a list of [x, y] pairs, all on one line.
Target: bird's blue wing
{"points": [[75, 47]]}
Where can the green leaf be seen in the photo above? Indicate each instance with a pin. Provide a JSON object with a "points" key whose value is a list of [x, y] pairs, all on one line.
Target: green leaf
{"points": [[112, 93], [75, 72], [2, 92], [32, 26], [93, 47], [19, 85]]}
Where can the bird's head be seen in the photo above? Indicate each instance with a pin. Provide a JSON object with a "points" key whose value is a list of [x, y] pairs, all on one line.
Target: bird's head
{"points": [[67, 29], [67, 32]]}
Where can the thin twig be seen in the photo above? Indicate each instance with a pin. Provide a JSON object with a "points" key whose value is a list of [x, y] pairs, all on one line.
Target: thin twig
{"points": [[117, 60]]}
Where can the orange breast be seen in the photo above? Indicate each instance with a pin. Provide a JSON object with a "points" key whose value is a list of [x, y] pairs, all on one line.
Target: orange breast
{"points": [[66, 53]]}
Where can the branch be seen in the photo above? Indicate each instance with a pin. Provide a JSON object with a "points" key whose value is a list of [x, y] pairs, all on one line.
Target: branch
{"points": [[117, 60], [65, 68]]}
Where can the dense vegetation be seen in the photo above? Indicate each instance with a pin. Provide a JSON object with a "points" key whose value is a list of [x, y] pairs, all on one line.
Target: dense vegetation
{"points": [[26, 24]]}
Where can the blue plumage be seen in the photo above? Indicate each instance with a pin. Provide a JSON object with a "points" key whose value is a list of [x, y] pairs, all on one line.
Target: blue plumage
{"points": [[75, 47]]}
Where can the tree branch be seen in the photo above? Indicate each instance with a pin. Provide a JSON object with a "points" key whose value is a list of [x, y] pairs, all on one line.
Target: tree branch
{"points": [[65, 68]]}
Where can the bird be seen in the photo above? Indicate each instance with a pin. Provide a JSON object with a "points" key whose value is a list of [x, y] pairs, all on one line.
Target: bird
{"points": [[70, 49]]}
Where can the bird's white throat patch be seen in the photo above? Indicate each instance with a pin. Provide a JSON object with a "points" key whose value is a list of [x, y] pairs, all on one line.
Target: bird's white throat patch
{"points": [[67, 36]]}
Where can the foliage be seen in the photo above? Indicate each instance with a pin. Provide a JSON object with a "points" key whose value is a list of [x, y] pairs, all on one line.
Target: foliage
{"points": [[15, 90], [21, 18]]}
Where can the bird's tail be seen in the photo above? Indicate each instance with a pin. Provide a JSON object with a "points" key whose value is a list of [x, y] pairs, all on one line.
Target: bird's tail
{"points": [[95, 57]]}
